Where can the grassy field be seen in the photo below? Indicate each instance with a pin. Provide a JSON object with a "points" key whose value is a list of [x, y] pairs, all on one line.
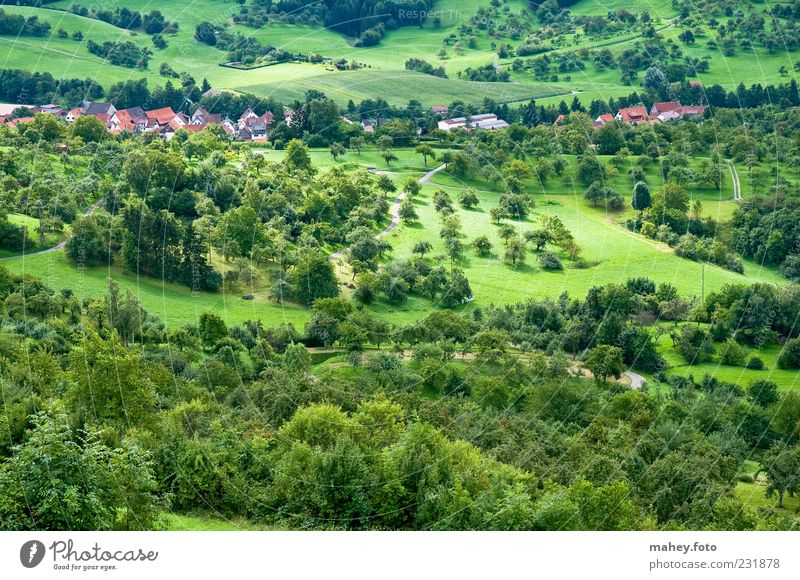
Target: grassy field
{"points": [[754, 494], [385, 76], [207, 523], [613, 252], [32, 225], [785, 379]]}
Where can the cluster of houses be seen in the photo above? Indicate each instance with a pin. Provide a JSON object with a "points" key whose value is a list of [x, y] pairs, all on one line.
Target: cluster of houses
{"points": [[659, 113], [165, 122], [488, 121]]}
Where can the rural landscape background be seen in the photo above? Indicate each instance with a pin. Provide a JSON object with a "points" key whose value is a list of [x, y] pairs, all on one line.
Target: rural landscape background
{"points": [[425, 265]]}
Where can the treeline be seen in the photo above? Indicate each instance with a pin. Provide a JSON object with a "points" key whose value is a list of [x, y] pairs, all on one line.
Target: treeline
{"points": [[19, 86], [18, 25], [366, 20], [124, 53], [419, 65], [152, 22]]}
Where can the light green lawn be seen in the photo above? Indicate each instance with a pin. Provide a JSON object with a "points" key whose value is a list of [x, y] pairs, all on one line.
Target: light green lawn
{"points": [[785, 379], [207, 523]]}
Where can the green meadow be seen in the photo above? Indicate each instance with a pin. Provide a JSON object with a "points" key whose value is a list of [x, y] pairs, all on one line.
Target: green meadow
{"points": [[384, 74]]}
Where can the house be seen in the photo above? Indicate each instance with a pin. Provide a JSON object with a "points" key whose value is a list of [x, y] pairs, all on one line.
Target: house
{"points": [[450, 124], [202, 117], [483, 117], [603, 119], [248, 114], [632, 115], [73, 114], [368, 126], [666, 116], [560, 120], [440, 110], [254, 128], [50, 109], [229, 127], [664, 107], [695, 84], [693, 111], [492, 124], [161, 116], [133, 119], [95, 109]]}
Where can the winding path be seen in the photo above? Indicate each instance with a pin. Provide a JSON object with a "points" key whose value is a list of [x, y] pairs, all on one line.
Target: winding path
{"points": [[637, 380], [57, 247], [395, 208], [737, 187]]}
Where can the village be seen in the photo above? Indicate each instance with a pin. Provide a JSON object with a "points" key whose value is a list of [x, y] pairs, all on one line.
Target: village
{"points": [[164, 122]]}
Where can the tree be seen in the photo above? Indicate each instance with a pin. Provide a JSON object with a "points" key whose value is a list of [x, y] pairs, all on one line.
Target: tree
{"points": [[407, 212], [297, 157], [337, 150], [90, 242], [212, 328], [313, 277], [426, 151], [640, 199], [57, 480], [388, 157], [468, 198], [695, 344], [457, 291], [790, 355], [590, 170], [605, 361], [482, 246], [195, 271], [610, 139], [422, 248], [89, 128], [782, 468], [515, 251], [357, 143], [110, 385], [763, 393]]}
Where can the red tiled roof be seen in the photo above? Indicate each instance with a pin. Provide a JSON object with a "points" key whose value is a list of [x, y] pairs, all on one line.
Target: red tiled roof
{"points": [[161, 116], [633, 115]]}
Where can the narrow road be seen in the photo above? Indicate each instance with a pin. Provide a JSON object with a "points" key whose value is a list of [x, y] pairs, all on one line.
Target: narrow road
{"points": [[57, 247], [395, 209], [737, 188], [637, 381]]}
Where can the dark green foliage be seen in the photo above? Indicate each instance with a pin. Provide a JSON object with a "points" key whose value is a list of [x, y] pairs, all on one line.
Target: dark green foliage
{"points": [[313, 277]]}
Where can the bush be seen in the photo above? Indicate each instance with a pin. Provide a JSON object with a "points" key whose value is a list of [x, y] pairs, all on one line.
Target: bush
{"points": [[549, 261], [790, 355], [754, 363], [733, 354]]}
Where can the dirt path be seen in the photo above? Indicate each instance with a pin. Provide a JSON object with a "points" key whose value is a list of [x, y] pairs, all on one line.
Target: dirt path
{"points": [[637, 380], [395, 208], [737, 187], [57, 247]]}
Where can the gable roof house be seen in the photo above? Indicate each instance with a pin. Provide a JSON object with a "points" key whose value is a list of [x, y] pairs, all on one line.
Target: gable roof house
{"points": [[133, 119], [73, 114], [664, 107], [95, 109], [603, 119], [632, 115], [161, 116], [248, 114]]}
